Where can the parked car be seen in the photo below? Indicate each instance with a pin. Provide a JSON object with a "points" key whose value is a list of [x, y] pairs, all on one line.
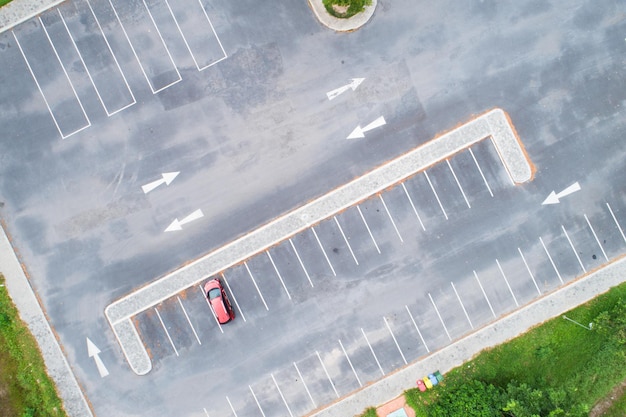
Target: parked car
{"points": [[218, 300]]}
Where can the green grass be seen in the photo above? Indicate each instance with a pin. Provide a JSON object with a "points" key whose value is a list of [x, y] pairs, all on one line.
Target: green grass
{"points": [[558, 354], [618, 409], [370, 412], [26, 390], [353, 7], [3, 2]]}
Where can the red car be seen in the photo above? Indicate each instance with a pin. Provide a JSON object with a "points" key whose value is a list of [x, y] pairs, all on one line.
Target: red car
{"points": [[218, 300]]}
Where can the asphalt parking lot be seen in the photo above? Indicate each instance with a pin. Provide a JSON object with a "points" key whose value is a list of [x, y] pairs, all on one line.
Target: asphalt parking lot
{"points": [[141, 136]]}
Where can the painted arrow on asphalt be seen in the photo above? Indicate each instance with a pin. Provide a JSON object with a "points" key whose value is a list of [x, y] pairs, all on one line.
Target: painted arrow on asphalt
{"points": [[353, 85], [167, 178], [359, 132], [178, 224], [94, 352], [553, 198]]}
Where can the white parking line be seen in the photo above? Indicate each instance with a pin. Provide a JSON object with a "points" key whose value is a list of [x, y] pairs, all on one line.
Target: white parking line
{"points": [[573, 249], [232, 294], [300, 260], [231, 406], [323, 251], [485, 295], [188, 320], [350, 363], [109, 114], [413, 205], [462, 306], [417, 328], [481, 172], [256, 400], [529, 271], [439, 315], [327, 374], [394, 340], [206, 412], [436, 195], [507, 282], [558, 274], [390, 218], [372, 350], [278, 273], [616, 223], [305, 386], [166, 332], [63, 136], [368, 228], [502, 160], [596, 236], [281, 395], [256, 286], [210, 308], [458, 184], [346, 240]]}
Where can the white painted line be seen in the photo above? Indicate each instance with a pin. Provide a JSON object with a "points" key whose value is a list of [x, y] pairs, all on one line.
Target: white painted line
{"points": [[458, 184], [596, 236], [413, 205], [256, 400], [232, 294], [182, 34], [206, 412], [390, 218], [305, 387], [54, 49], [485, 295], [573, 249], [323, 251], [507, 282], [616, 223], [502, 160], [278, 273], [327, 374], [394, 340], [166, 332], [63, 136], [188, 320], [346, 240], [462, 306], [436, 195], [481, 172], [529, 271], [281, 395], [109, 114], [417, 328], [373, 354], [210, 308], [216, 37], [350, 363], [231, 406], [439, 315], [256, 286], [300, 260], [368, 228], [551, 261]]}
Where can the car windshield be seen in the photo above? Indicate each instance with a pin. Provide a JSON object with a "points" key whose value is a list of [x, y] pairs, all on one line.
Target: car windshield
{"points": [[214, 293]]}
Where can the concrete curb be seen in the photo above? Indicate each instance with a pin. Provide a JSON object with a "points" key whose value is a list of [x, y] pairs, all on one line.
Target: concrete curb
{"points": [[342, 25], [19, 11], [454, 355], [19, 289]]}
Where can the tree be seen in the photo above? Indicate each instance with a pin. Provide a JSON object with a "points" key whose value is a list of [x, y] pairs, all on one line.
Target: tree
{"points": [[474, 399]]}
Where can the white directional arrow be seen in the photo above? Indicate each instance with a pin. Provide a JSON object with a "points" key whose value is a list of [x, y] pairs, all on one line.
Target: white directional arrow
{"points": [[94, 352], [167, 178], [359, 132], [553, 198], [178, 224], [353, 85]]}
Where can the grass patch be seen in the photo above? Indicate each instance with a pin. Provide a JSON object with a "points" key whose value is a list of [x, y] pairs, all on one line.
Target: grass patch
{"points": [[26, 390], [618, 409], [370, 412], [4, 2], [344, 9], [558, 363]]}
